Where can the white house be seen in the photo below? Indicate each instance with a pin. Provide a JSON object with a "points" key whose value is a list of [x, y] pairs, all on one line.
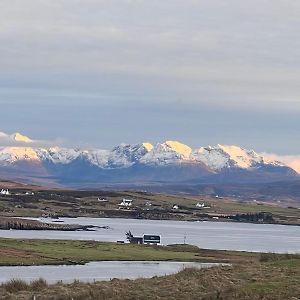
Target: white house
{"points": [[102, 200], [126, 202], [202, 205], [4, 192], [29, 193]]}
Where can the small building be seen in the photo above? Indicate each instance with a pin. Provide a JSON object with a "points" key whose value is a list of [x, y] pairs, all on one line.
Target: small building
{"points": [[147, 239], [29, 193], [4, 192], [202, 205], [151, 239], [175, 207], [126, 202], [102, 200], [136, 240]]}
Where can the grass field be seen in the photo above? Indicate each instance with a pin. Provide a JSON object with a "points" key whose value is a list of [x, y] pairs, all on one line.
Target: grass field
{"points": [[29, 252], [254, 277]]}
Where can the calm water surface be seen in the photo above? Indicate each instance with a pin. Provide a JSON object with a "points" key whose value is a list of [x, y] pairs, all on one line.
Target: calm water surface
{"points": [[96, 271], [210, 235]]}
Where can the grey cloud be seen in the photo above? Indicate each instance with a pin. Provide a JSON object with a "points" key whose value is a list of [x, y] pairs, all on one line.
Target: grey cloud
{"points": [[292, 161], [78, 66]]}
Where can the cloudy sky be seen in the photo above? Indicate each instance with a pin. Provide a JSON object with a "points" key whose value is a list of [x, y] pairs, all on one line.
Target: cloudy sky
{"points": [[99, 73]]}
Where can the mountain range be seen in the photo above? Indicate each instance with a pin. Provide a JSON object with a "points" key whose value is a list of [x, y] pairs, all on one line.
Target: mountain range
{"points": [[139, 164]]}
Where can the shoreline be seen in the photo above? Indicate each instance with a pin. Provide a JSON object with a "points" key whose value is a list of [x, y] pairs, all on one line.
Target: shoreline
{"points": [[23, 223], [220, 220], [90, 227]]}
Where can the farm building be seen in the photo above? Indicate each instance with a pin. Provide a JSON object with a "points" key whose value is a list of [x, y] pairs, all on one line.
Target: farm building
{"points": [[146, 239]]}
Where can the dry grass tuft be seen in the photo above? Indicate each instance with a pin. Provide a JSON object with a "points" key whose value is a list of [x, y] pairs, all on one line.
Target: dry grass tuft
{"points": [[39, 284], [269, 257], [15, 285]]}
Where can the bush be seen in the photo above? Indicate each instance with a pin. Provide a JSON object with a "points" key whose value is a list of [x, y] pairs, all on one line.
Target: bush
{"points": [[38, 284], [265, 257], [15, 285]]}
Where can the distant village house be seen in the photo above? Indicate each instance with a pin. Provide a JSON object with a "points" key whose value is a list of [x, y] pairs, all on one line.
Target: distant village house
{"points": [[126, 202]]}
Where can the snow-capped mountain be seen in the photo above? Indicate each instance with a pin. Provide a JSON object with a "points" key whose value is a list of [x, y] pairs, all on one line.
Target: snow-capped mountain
{"points": [[167, 153], [15, 137], [221, 157], [170, 161], [11, 155]]}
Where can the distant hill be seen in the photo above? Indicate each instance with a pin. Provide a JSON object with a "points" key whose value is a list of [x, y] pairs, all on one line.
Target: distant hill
{"points": [[169, 164], [273, 191]]}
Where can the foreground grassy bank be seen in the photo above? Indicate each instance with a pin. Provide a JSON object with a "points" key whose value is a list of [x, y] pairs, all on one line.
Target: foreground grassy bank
{"points": [[38, 252], [276, 278], [251, 275]]}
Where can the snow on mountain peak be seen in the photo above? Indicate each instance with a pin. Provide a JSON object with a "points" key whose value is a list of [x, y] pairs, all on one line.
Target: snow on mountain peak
{"points": [[223, 156], [214, 158], [166, 153], [148, 146], [18, 137], [180, 148], [125, 155], [58, 155], [14, 154], [241, 157]]}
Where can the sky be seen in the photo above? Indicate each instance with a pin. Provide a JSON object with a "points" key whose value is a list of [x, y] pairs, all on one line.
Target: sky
{"points": [[100, 73]]}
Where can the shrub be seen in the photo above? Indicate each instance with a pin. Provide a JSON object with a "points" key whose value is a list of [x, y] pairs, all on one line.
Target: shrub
{"points": [[265, 257], [15, 285], [38, 284]]}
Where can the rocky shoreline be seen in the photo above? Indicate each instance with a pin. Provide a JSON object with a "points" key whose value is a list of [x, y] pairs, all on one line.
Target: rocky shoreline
{"points": [[24, 224]]}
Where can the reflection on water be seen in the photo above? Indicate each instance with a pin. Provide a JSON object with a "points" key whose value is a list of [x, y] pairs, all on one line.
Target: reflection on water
{"points": [[209, 235], [96, 271]]}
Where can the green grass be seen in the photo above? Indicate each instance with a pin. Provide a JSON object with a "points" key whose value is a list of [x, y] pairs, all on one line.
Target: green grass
{"points": [[251, 281], [255, 207], [27, 252], [252, 275]]}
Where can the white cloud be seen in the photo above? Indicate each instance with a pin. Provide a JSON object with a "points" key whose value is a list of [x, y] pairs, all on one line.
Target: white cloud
{"points": [[292, 161], [19, 140]]}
